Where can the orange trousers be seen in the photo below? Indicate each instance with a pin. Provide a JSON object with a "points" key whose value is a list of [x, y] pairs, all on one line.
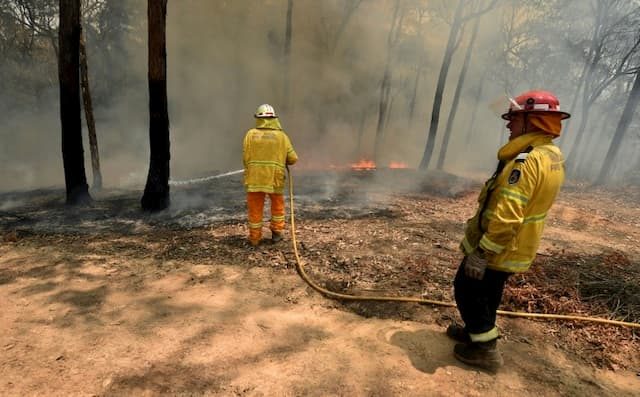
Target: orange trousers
{"points": [[255, 205]]}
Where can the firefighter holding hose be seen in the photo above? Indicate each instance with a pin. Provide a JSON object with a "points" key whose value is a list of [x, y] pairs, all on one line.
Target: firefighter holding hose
{"points": [[267, 151], [503, 236]]}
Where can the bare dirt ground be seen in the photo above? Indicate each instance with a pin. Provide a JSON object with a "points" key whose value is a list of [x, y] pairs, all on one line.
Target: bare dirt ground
{"points": [[106, 300]]}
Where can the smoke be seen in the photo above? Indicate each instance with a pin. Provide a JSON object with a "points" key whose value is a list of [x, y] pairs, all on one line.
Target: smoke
{"points": [[225, 58]]}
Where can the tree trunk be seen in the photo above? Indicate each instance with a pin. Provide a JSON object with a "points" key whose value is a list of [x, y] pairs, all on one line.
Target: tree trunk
{"points": [[588, 95], [416, 80], [88, 114], [286, 59], [442, 78], [623, 125], [392, 99], [585, 165], [156, 191], [70, 119], [573, 156], [576, 97], [456, 95], [385, 86], [414, 94], [476, 106], [587, 71], [350, 7], [325, 63], [383, 106], [363, 120]]}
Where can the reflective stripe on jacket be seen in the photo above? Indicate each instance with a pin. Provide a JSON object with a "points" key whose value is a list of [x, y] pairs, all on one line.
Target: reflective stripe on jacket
{"points": [[266, 152], [519, 197]]}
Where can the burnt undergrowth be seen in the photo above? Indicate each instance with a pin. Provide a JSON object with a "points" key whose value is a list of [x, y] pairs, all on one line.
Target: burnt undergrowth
{"points": [[388, 232]]}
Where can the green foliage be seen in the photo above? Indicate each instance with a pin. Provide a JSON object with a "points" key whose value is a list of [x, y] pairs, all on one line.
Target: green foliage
{"points": [[29, 45]]}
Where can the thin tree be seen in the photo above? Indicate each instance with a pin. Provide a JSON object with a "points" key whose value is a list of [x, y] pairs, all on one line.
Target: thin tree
{"points": [[602, 28], [477, 99], [419, 68], [574, 102], [88, 115], [578, 93], [456, 96], [594, 57], [454, 31], [610, 20], [156, 191], [442, 78], [361, 124], [70, 119], [350, 7], [330, 40], [623, 126], [286, 59], [385, 85], [587, 166]]}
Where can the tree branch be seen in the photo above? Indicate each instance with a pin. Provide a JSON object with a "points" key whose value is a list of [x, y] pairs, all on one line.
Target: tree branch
{"points": [[476, 14]]}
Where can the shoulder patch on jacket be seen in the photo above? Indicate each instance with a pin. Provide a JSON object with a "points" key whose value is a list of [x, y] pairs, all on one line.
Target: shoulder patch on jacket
{"points": [[514, 177]]}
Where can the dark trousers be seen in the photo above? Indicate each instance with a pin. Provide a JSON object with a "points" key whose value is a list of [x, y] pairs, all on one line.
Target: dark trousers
{"points": [[478, 300]]}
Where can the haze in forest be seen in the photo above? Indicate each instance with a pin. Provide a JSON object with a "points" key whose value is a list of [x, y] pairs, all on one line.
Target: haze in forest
{"points": [[225, 58]]}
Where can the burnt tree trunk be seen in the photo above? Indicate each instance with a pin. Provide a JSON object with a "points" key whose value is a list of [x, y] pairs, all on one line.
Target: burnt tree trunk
{"points": [[623, 125], [442, 78], [456, 95], [156, 191], [70, 119], [88, 115]]}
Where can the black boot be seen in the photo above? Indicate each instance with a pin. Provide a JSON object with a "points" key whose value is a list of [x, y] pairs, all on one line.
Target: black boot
{"points": [[484, 355], [276, 237], [458, 333]]}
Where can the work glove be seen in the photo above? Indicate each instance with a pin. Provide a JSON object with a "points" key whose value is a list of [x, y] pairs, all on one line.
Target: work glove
{"points": [[475, 266]]}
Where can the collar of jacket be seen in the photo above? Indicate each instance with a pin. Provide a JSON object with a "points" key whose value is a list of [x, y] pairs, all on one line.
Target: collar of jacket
{"points": [[519, 144], [272, 123]]}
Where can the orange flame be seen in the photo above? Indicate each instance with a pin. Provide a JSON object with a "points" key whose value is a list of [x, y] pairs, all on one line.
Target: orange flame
{"points": [[364, 165], [398, 164]]}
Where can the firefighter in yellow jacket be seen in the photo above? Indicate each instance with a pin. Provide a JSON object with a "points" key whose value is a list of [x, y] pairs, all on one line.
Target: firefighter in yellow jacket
{"points": [[267, 151], [503, 236]]}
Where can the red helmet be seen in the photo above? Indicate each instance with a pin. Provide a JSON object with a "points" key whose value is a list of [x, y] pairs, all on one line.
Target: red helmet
{"points": [[535, 102]]}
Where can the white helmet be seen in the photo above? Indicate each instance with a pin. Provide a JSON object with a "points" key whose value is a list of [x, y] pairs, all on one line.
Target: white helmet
{"points": [[265, 111]]}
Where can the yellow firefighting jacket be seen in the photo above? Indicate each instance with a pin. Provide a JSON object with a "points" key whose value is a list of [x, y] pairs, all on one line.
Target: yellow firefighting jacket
{"points": [[514, 202], [266, 151]]}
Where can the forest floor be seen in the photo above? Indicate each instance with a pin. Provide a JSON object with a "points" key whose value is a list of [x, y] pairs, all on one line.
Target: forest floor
{"points": [[107, 300]]}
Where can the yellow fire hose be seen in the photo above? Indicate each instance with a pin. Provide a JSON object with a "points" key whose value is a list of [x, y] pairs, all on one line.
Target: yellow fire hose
{"points": [[379, 298]]}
